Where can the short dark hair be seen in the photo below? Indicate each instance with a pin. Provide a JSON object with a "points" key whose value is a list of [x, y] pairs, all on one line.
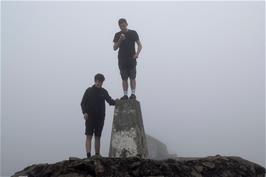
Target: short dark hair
{"points": [[122, 20], [99, 77]]}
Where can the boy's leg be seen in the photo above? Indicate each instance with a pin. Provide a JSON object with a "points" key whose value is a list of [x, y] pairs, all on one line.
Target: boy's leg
{"points": [[132, 76], [89, 127], [88, 145], [97, 144], [133, 85], [125, 86], [124, 75], [98, 133]]}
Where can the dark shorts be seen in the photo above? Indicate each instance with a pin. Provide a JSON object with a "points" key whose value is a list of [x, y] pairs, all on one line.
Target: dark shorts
{"points": [[127, 67], [128, 73], [94, 126]]}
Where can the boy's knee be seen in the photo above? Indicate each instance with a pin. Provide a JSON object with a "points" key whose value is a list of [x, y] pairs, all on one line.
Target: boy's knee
{"points": [[89, 137], [97, 137]]}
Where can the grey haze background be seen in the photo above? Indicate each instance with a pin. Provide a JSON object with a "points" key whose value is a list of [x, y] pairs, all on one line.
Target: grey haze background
{"points": [[200, 76]]}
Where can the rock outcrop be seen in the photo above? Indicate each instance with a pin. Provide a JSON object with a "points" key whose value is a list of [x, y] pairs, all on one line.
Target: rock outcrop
{"points": [[213, 166], [157, 149], [128, 135]]}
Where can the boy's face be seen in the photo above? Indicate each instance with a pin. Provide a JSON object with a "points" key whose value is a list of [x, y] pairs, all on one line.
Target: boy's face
{"points": [[123, 27], [98, 83]]}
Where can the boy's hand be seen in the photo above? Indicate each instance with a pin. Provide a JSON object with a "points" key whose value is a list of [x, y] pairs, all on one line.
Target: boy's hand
{"points": [[86, 116], [135, 56], [122, 37]]}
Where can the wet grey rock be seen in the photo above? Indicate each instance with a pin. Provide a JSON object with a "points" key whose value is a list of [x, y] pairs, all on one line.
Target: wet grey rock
{"points": [[213, 166], [208, 164], [73, 158], [199, 168], [195, 174], [72, 175]]}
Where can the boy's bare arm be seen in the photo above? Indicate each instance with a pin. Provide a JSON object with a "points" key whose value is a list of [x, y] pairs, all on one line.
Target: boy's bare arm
{"points": [[138, 50]]}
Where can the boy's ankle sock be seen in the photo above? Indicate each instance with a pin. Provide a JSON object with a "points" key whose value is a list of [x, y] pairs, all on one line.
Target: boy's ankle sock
{"points": [[125, 92], [88, 154]]}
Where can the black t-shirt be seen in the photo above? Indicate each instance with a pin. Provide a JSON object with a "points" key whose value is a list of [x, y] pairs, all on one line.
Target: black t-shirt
{"points": [[127, 46], [93, 101]]}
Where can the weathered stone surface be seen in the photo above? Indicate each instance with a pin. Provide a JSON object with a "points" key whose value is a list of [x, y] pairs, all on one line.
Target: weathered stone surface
{"points": [[128, 135], [213, 166]]}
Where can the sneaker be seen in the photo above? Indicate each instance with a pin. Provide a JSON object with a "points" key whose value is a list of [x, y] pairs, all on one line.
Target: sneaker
{"points": [[125, 97], [88, 155], [132, 96]]}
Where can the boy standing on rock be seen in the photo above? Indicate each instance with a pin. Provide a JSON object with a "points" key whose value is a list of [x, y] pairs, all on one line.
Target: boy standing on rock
{"points": [[125, 40], [93, 109]]}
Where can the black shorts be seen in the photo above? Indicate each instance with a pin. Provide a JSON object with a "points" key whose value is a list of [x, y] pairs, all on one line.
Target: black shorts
{"points": [[94, 125], [127, 67], [128, 73]]}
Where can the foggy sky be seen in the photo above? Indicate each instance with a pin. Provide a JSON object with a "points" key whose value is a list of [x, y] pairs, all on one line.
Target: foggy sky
{"points": [[200, 76]]}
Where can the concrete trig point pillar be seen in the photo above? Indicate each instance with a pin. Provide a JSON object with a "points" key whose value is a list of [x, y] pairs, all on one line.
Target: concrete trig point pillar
{"points": [[128, 135]]}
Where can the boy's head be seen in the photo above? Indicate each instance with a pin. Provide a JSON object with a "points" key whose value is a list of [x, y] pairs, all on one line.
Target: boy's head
{"points": [[98, 79], [122, 24]]}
